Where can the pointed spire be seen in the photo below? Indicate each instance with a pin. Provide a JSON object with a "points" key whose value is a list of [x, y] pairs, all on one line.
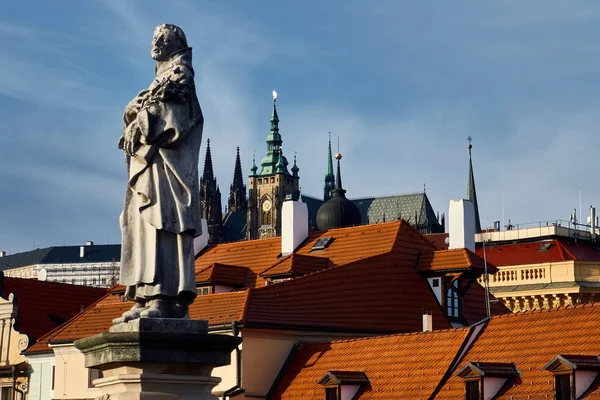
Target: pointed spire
{"points": [[238, 180], [237, 190], [329, 171], [329, 176], [274, 116], [338, 191], [471, 192], [254, 168], [295, 168], [208, 174]]}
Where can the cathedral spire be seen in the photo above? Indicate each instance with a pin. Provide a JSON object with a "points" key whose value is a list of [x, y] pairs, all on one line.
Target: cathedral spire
{"points": [[329, 177], [237, 170], [237, 190], [471, 192], [274, 156], [208, 174], [210, 200]]}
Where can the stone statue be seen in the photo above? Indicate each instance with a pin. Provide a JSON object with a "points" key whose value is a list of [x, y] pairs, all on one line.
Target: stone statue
{"points": [[161, 140]]}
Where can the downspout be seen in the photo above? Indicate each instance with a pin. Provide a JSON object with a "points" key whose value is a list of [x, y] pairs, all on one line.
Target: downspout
{"points": [[235, 330], [14, 374]]}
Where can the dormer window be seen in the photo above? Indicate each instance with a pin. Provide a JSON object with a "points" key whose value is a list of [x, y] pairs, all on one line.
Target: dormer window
{"points": [[342, 385], [331, 393], [573, 375], [483, 380]]}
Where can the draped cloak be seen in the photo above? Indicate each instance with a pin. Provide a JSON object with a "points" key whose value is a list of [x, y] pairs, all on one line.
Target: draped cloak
{"points": [[161, 215]]}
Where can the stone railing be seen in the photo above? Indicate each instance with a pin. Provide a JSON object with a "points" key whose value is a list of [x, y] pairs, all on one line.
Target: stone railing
{"points": [[519, 275]]}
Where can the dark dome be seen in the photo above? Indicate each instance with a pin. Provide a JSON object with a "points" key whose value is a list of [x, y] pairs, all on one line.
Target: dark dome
{"points": [[338, 212]]}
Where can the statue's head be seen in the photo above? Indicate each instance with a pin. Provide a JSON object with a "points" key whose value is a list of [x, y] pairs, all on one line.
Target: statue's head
{"points": [[167, 40]]}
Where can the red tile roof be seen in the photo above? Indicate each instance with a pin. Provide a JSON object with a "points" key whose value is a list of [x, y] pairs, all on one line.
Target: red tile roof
{"points": [[379, 294], [541, 251], [348, 245], [42, 306], [452, 260], [222, 274], [438, 239], [397, 367], [531, 340], [217, 309], [297, 264]]}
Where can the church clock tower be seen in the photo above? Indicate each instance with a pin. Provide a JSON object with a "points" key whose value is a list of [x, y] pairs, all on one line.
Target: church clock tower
{"points": [[271, 186]]}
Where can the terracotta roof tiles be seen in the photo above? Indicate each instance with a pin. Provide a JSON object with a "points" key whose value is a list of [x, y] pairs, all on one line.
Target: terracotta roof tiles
{"points": [[348, 245], [297, 264], [218, 309], [530, 340], [541, 251], [378, 294], [397, 366], [42, 306], [222, 274], [452, 260]]}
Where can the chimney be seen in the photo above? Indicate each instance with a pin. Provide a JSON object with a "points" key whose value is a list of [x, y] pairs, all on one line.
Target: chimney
{"points": [[81, 251], [427, 320], [2, 253], [89, 243], [461, 225], [200, 242], [294, 225]]}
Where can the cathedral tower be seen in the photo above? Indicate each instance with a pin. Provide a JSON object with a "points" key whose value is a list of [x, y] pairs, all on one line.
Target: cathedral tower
{"points": [[210, 200], [271, 186]]}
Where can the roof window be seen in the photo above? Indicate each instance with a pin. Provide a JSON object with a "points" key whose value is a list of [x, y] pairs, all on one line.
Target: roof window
{"points": [[545, 246], [573, 374], [483, 380], [342, 385], [322, 244]]}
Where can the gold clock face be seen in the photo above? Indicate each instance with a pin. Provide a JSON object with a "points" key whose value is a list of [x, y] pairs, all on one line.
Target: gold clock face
{"points": [[266, 206]]}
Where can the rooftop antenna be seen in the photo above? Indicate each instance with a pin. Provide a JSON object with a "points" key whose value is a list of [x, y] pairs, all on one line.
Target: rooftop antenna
{"points": [[487, 283], [580, 209], [502, 209]]}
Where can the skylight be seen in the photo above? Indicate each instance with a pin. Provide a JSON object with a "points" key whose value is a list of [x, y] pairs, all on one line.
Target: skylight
{"points": [[322, 243]]}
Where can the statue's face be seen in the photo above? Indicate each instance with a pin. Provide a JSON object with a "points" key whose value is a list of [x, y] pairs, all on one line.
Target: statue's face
{"points": [[164, 43]]}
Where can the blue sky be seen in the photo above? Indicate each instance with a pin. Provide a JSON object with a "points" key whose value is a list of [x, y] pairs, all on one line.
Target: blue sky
{"points": [[402, 83]]}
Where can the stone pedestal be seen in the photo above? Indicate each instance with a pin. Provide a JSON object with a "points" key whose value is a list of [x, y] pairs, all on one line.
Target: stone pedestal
{"points": [[157, 359]]}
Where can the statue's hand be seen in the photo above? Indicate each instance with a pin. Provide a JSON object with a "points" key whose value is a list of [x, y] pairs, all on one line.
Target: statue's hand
{"points": [[130, 141]]}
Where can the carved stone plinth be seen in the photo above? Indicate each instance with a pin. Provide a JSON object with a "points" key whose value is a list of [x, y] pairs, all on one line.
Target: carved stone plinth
{"points": [[157, 359]]}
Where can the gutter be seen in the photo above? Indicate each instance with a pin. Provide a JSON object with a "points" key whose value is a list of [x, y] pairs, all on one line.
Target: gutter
{"points": [[235, 329]]}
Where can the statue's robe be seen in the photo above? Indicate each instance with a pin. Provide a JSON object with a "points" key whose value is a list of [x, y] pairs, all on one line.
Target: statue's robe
{"points": [[161, 216]]}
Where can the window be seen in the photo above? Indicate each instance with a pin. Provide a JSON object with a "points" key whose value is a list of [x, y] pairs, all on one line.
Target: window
{"points": [[205, 290], [93, 374], [473, 392], [562, 387], [6, 393], [321, 244], [331, 393], [435, 283], [452, 300]]}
